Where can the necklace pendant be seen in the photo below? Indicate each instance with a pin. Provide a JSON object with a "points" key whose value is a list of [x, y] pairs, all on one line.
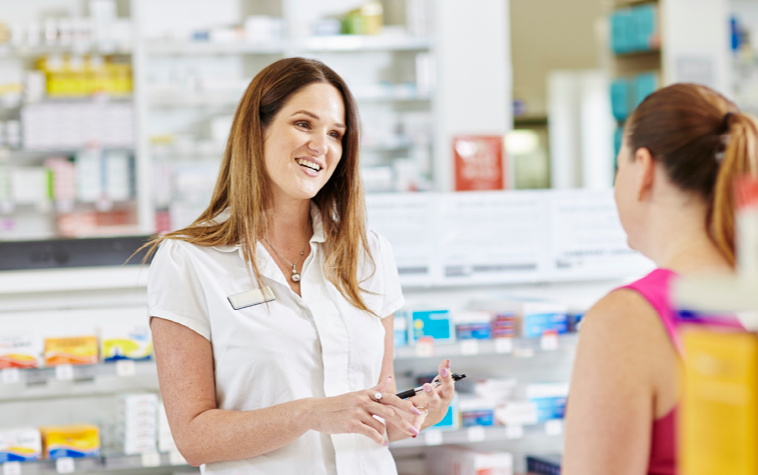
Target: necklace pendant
{"points": [[295, 276]]}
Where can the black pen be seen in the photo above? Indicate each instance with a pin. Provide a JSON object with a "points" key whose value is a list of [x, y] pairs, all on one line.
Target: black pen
{"points": [[435, 383]]}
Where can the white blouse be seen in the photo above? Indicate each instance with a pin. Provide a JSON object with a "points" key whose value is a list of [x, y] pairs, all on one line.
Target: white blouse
{"points": [[317, 345]]}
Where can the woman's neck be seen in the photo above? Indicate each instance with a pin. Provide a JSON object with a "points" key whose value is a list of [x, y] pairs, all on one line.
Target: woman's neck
{"points": [[290, 223]]}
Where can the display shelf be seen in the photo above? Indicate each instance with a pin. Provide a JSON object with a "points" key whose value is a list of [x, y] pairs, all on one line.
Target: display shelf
{"points": [[361, 43], [34, 51], [159, 98], [515, 347], [475, 434], [140, 463], [73, 279], [207, 48], [74, 381], [720, 294], [629, 3]]}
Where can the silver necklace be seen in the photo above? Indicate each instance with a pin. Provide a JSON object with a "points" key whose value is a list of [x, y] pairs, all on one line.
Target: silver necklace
{"points": [[295, 274]]}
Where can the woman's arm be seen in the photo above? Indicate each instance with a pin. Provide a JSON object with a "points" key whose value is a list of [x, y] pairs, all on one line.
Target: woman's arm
{"points": [[205, 434], [623, 350]]}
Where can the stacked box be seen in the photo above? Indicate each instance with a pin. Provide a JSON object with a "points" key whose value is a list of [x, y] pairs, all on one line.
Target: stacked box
{"points": [[401, 329], [81, 350], [125, 342], [22, 444], [504, 325], [437, 324], [472, 325], [74, 441], [165, 438], [549, 398], [20, 351], [635, 30], [452, 460], [476, 412], [137, 423]]}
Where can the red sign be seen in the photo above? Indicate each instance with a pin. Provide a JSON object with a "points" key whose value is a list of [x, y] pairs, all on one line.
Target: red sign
{"points": [[478, 162]]}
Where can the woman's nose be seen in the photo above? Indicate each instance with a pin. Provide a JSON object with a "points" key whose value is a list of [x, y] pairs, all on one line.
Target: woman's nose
{"points": [[318, 144]]}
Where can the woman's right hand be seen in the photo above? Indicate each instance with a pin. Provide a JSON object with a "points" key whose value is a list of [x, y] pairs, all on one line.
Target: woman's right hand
{"points": [[353, 413]]}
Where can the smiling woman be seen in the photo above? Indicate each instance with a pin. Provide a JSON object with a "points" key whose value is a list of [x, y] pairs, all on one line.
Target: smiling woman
{"points": [[272, 314]]}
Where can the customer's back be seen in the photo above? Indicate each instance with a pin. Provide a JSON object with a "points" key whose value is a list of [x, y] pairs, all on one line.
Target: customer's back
{"points": [[682, 149]]}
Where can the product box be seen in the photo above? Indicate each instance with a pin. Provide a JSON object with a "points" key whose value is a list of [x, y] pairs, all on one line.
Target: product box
{"points": [[23, 444], [473, 325], [476, 412], [125, 342], [536, 316], [549, 399], [82, 440], [401, 329], [521, 413], [165, 438], [20, 351], [81, 350], [437, 324], [453, 460], [452, 417], [620, 99]]}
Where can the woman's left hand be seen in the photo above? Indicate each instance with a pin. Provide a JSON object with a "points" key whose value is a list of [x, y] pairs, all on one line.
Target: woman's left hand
{"points": [[436, 400]]}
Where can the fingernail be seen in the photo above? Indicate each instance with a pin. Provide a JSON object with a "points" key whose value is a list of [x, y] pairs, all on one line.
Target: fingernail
{"points": [[444, 372], [389, 377], [427, 388], [386, 444], [415, 411], [413, 436], [447, 364], [413, 430]]}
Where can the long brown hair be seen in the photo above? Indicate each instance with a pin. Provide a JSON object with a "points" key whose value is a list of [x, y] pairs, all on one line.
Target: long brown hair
{"points": [[704, 143], [244, 189]]}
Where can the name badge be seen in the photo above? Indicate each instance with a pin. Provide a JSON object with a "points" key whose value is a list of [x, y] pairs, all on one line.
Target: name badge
{"points": [[251, 298]]}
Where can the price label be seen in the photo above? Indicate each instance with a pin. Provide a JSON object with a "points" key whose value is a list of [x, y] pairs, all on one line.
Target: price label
{"points": [[503, 345], [469, 347], [476, 434], [432, 437], [64, 372], [151, 459], [65, 465], [126, 368], [523, 352], [176, 458], [12, 468], [514, 431], [10, 375], [549, 342], [425, 347], [554, 427]]}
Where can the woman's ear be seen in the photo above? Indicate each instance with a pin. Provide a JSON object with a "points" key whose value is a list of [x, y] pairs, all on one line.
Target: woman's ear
{"points": [[645, 165]]}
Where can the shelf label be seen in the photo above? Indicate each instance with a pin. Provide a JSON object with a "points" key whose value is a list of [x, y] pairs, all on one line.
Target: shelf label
{"points": [[554, 427], [469, 347], [514, 431], [65, 465], [424, 347], [476, 434], [432, 437], [12, 468], [176, 458], [10, 375], [503, 345], [64, 372], [523, 352], [126, 368], [151, 459], [549, 342]]}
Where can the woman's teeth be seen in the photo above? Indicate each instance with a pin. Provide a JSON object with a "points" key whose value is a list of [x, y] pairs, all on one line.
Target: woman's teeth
{"points": [[308, 164]]}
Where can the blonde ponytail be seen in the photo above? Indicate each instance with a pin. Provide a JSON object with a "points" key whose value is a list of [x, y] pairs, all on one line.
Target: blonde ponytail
{"points": [[740, 158]]}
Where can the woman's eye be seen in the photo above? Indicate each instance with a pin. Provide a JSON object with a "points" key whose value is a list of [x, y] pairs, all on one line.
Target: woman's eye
{"points": [[336, 135], [302, 124]]}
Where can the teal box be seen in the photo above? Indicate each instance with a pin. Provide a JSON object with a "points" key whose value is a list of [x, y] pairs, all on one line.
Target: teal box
{"points": [[644, 85], [645, 21], [437, 324], [620, 99], [452, 417], [622, 31]]}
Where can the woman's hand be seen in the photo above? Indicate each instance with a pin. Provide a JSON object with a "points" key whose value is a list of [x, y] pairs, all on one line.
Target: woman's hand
{"points": [[436, 400], [353, 413]]}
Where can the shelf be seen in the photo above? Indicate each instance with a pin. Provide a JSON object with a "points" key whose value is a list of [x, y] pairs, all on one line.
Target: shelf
{"points": [[515, 347], [140, 463], [475, 434], [33, 51], [232, 97], [720, 295], [638, 54], [75, 381], [88, 279], [630, 3], [315, 44]]}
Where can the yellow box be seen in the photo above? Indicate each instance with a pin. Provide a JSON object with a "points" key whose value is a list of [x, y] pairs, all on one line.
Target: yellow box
{"points": [[79, 440], [718, 418], [78, 350]]}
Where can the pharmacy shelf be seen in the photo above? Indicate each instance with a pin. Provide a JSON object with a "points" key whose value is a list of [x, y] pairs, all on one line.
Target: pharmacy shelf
{"points": [[74, 381], [475, 434], [87, 279], [162, 98], [34, 51], [720, 295], [348, 43], [138, 464], [515, 347]]}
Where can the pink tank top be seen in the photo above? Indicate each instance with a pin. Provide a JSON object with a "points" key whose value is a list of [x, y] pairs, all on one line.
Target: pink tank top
{"points": [[655, 288]]}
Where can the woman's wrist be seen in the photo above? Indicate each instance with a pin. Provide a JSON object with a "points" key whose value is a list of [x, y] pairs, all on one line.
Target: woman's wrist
{"points": [[303, 411]]}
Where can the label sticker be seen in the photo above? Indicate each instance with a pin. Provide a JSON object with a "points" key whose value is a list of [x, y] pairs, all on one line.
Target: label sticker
{"points": [[126, 368], [554, 427], [12, 468], [514, 431], [469, 347], [64, 372], [151, 459], [176, 458], [65, 465], [10, 375], [549, 342], [425, 347], [476, 434], [503, 345], [432, 437]]}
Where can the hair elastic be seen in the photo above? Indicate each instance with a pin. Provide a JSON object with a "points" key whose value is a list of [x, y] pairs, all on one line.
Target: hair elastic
{"points": [[725, 123]]}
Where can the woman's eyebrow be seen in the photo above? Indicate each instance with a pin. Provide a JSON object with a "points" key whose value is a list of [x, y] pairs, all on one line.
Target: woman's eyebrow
{"points": [[311, 114]]}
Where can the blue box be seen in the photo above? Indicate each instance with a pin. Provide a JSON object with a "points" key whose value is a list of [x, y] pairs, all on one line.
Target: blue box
{"points": [[536, 324], [400, 331], [437, 324], [550, 408], [645, 27], [482, 417], [620, 99], [622, 27], [451, 419], [644, 85]]}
